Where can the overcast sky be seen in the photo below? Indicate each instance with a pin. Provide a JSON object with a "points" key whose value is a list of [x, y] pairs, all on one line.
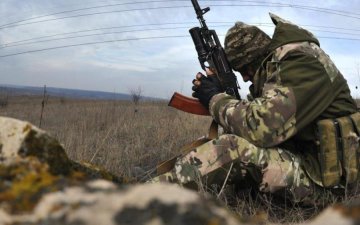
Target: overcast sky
{"points": [[159, 66]]}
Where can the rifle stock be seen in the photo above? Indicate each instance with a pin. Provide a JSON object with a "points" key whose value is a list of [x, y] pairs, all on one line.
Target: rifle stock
{"points": [[187, 104]]}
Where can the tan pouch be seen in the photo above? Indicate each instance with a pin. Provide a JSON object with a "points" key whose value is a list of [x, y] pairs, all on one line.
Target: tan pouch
{"points": [[350, 148], [355, 118], [328, 153]]}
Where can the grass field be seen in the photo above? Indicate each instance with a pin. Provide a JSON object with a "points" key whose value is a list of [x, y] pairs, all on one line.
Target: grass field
{"points": [[110, 133], [118, 136]]}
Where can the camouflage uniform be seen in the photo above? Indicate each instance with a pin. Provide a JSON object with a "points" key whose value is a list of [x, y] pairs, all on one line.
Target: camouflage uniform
{"points": [[273, 136], [273, 169]]}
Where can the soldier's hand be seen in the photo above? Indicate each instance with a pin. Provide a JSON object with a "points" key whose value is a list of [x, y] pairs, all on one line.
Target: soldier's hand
{"points": [[205, 87]]}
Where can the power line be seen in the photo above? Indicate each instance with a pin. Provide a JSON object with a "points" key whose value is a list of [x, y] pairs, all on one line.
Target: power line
{"points": [[131, 39], [81, 9], [96, 13], [316, 9], [331, 27], [341, 38], [13, 44], [92, 43], [127, 31], [118, 4], [163, 24], [60, 6], [335, 32], [97, 29], [90, 35], [161, 1], [32, 40], [324, 10]]}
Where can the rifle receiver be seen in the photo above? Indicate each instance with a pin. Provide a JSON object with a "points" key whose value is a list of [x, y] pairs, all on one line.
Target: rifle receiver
{"points": [[210, 54]]}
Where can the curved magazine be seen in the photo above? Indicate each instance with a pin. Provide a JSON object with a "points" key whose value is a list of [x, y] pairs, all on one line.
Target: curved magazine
{"points": [[189, 105]]}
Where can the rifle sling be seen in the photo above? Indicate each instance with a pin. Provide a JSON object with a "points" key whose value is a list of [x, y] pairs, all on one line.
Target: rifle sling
{"points": [[168, 165]]}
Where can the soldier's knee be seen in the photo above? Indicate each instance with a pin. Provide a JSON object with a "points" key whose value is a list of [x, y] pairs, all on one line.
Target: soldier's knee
{"points": [[234, 141], [232, 137]]}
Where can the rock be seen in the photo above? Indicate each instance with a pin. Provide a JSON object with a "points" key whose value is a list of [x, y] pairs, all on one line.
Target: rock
{"points": [[33, 163], [4, 218], [20, 139], [101, 202], [24, 181], [339, 214]]}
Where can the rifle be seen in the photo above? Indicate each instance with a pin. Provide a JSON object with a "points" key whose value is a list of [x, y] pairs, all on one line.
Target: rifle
{"points": [[211, 54]]}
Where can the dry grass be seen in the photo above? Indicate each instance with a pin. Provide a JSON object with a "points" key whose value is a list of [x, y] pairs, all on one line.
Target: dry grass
{"points": [[111, 134]]}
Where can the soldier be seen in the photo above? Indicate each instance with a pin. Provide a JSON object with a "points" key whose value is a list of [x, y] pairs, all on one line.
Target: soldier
{"points": [[273, 137]]}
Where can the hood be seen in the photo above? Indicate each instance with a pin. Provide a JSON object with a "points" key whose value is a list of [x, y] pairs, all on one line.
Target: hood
{"points": [[287, 32]]}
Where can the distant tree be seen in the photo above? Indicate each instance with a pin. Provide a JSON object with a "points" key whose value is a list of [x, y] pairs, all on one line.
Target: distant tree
{"points": [[43, 103], [135, 94]]}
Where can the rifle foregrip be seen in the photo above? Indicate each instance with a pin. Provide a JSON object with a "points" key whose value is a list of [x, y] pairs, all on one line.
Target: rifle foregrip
{"points": [[187, 104]]}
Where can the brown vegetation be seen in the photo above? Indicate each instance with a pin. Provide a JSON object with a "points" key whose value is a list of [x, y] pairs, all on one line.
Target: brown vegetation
{"points": [[110, 134]]}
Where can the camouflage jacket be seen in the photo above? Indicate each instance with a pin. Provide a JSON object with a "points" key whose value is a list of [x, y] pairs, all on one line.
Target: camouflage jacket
{"points": [[296, 85]]}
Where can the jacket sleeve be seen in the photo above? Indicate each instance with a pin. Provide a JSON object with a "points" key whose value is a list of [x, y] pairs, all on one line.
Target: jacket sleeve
{"points": [[266, 121], [295, 93]]}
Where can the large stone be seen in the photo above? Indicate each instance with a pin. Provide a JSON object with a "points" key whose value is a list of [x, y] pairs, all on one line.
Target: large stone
{"points": [[33, 163], [101, 202], [339, 214], [20, 139]]}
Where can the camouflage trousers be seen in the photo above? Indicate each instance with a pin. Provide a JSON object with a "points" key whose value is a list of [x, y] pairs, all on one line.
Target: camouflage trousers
{"points": [[230, 158]]}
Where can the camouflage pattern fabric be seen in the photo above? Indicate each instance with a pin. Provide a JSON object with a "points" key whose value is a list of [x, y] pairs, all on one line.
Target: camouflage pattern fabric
{"points": [[273, 134], [296, 85], [273, 169], [271, 120], [311, 49], [244, 44], [286, 32]]}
